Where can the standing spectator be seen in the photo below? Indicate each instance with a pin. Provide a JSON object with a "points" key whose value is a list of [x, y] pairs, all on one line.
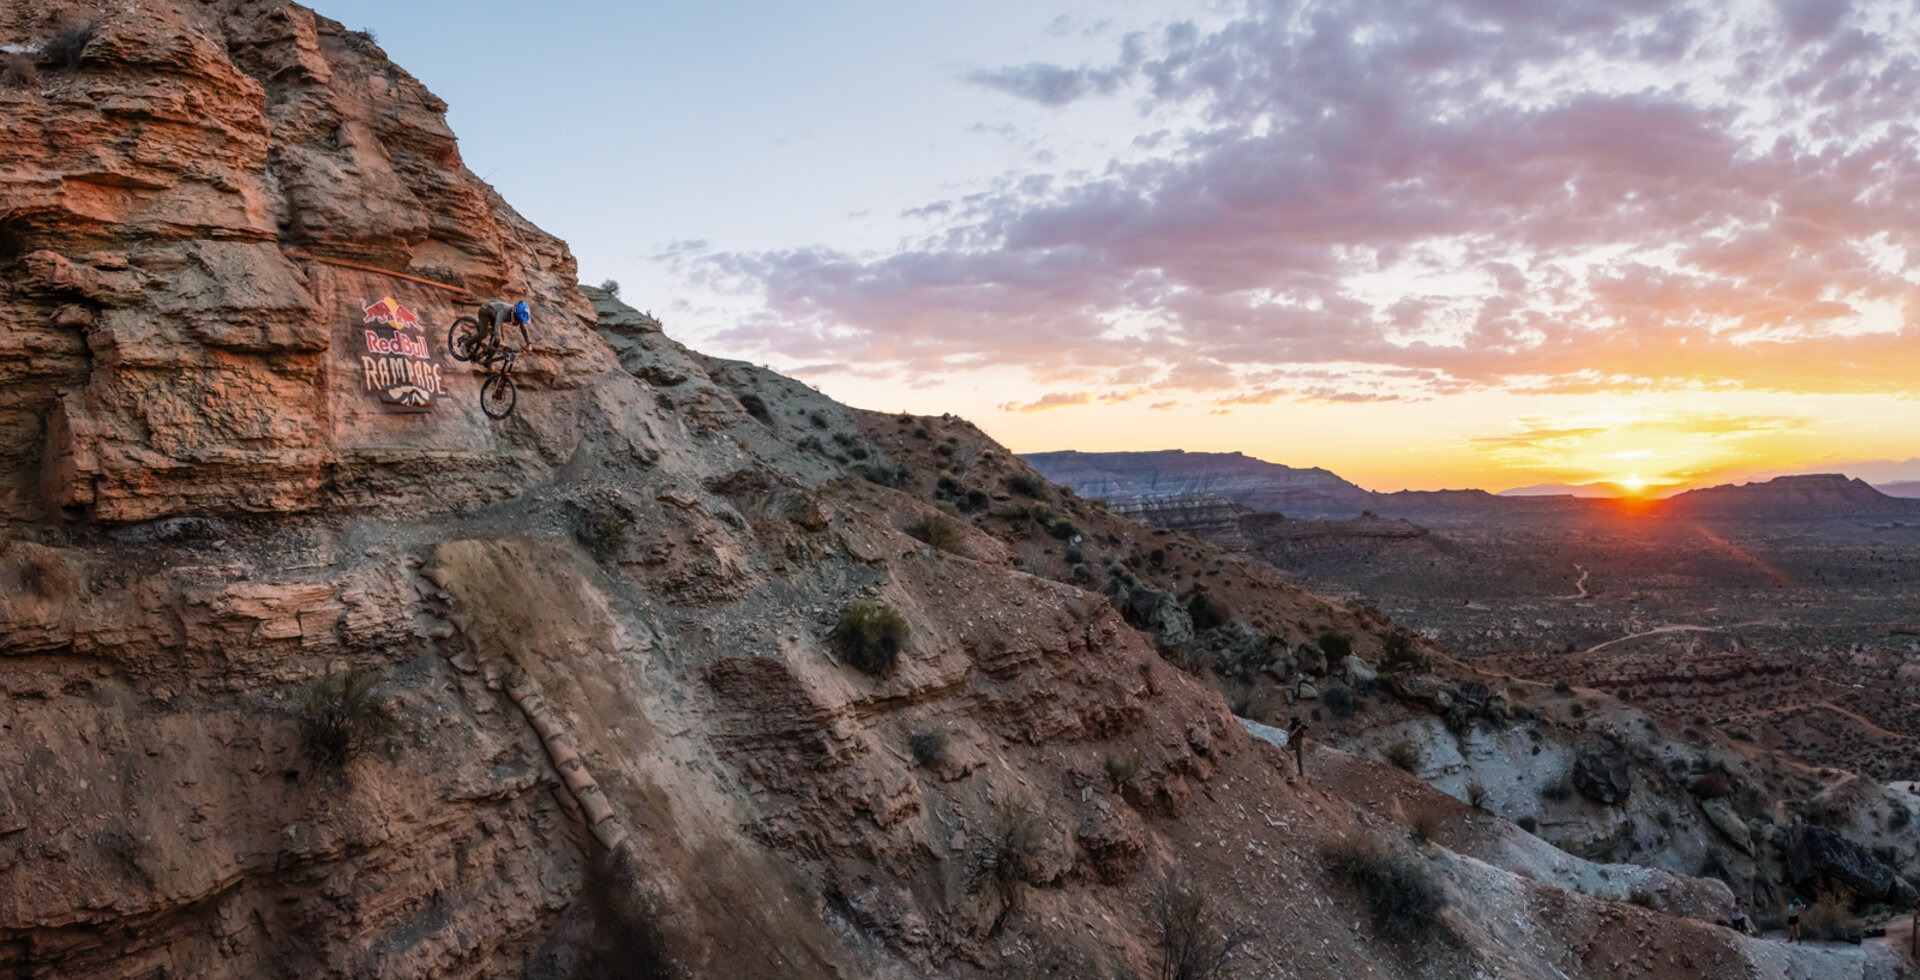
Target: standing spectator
{"points": [[1793, 920], [1297, 739]]}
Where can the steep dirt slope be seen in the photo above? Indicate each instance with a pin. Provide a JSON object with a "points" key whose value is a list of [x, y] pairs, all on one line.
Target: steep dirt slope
{"points": [[625, 740]]}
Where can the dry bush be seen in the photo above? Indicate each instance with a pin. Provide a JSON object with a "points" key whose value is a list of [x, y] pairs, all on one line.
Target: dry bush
{"points": [[943, 533], [1194, 945], [870, 635], [1122, 768], [1007, 856], [1830, 917], [18, 71], [68, 46], [1403, 754], [1425, 825], [1712, 785], [929, 748], [1338, 700], [1476, 793], [1402, 896], [340, 717]]}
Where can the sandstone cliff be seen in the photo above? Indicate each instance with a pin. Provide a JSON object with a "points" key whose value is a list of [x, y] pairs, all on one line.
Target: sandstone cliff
{"points": [[624, 738]]}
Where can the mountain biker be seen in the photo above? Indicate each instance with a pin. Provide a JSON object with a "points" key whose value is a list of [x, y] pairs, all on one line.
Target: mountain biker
{"points": [[494, 316]]}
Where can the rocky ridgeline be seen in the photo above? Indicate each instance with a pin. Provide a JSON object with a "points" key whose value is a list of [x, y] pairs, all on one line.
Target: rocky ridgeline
{"points": [[611, 713], [1212, 517]]}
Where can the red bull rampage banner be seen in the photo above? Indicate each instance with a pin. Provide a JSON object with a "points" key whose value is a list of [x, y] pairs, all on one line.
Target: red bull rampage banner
{"points": [[397, 365]]}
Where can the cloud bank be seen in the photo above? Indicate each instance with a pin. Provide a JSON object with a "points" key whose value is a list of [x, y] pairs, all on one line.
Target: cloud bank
{"points": [[1379, 200]]}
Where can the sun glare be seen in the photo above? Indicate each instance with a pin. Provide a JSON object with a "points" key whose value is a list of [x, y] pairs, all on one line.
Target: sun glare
{"points": [[1632, 484]]}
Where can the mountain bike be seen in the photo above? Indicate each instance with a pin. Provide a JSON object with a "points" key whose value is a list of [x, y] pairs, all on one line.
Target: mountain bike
{"points": [[467, 342]]}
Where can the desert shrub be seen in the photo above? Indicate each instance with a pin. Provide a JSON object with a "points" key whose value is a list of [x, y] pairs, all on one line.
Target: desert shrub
{"points": [[1402, 897], [756, 407], [1027, 485], [1712, 785], [1830, 917], [870, 635], [929, 748], [884, 475], [1339, 701], [1559, 789], [1193, 943], [1527, 823], [1644, 899], [610, 286], [17, 71], [1157, 557], [1403, 754], [340, 717], [1476, 793], [1400, 653], [1424, 825], [1122, 768], [1562, 687], [1006, 856], [1207, 613], [943, 533], [1335, 644], [68, 46]]}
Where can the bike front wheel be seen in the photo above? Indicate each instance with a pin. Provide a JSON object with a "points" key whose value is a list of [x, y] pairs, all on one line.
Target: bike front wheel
{"points": [[497, 395], [463, 339]]}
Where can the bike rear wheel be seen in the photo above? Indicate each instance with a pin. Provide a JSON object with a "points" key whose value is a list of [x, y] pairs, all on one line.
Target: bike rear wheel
{"points": [[497, 395], [463, 339]]}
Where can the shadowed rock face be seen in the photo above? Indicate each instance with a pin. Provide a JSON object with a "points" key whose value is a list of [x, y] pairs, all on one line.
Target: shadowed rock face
{"points": [[1817, 859]]}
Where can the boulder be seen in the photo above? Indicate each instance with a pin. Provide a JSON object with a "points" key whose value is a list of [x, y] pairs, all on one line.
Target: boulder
{"points": [[1358, 673], [1817, 858], [1720, 813], [1601, 773]]}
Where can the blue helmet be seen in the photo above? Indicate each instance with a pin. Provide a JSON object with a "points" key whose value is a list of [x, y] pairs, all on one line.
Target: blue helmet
{"points": [[521, 313]]}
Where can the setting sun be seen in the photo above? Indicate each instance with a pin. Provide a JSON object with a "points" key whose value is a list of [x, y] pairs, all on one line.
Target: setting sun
{"points": [[1632, 484]]}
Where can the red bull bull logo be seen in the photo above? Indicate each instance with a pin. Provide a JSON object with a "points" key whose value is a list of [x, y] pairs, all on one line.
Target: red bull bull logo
{"points": [[386, 311]]}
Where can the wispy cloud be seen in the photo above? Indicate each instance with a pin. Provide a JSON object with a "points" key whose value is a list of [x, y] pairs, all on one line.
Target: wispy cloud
{"points": [[1542, 197]]}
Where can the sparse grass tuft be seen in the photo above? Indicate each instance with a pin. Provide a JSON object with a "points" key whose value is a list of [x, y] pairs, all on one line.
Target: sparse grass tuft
{"points": [[340, 717], [870, 635], [1476, 793]]}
